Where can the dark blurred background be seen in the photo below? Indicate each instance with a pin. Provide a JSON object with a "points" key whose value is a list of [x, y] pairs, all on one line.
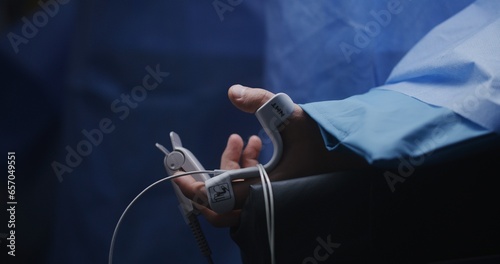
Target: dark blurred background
{"points": [[63, 64]]}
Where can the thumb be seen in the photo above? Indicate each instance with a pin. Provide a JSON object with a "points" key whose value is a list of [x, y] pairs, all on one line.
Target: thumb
{"points": [[248, 99]]}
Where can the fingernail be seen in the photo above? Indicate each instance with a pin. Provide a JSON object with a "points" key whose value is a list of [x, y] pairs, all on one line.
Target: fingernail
{"points": [[238, 91]]}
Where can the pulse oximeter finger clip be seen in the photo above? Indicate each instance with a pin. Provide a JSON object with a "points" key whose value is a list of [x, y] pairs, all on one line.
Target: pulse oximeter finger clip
{"points": [[181, 159]]}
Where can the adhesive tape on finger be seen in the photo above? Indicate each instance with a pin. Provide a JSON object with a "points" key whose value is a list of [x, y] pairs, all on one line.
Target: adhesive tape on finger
{"points": [[220, 192], [274, 112]]}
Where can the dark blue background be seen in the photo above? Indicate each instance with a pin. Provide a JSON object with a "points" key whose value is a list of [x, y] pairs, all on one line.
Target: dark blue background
{"points": [[65, 79]]}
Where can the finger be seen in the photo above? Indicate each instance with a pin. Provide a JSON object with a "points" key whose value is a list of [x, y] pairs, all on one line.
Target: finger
{"points": [[248, 99], [229, 219], [192, 189], [251, 152], [232, 153]]}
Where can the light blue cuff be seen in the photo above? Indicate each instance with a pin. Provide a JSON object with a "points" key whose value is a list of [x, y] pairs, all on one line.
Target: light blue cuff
{"points": [[457, 65], [384, 125]]}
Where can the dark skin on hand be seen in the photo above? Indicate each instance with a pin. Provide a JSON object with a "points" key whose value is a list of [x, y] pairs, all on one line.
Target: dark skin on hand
{"points": [[304, 153]]}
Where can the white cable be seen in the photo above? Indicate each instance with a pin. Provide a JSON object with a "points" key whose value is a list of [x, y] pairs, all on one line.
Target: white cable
{"points": [[269, 206], [111, 247], [268, 200]]}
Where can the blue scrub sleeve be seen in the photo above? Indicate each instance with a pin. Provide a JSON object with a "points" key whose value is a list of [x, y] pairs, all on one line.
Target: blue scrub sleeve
{"points": [[443, 92], [457, 65], [383, 125]]}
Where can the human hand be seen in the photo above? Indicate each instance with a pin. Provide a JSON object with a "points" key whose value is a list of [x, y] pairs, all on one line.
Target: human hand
{"points": [[304, 153]]}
